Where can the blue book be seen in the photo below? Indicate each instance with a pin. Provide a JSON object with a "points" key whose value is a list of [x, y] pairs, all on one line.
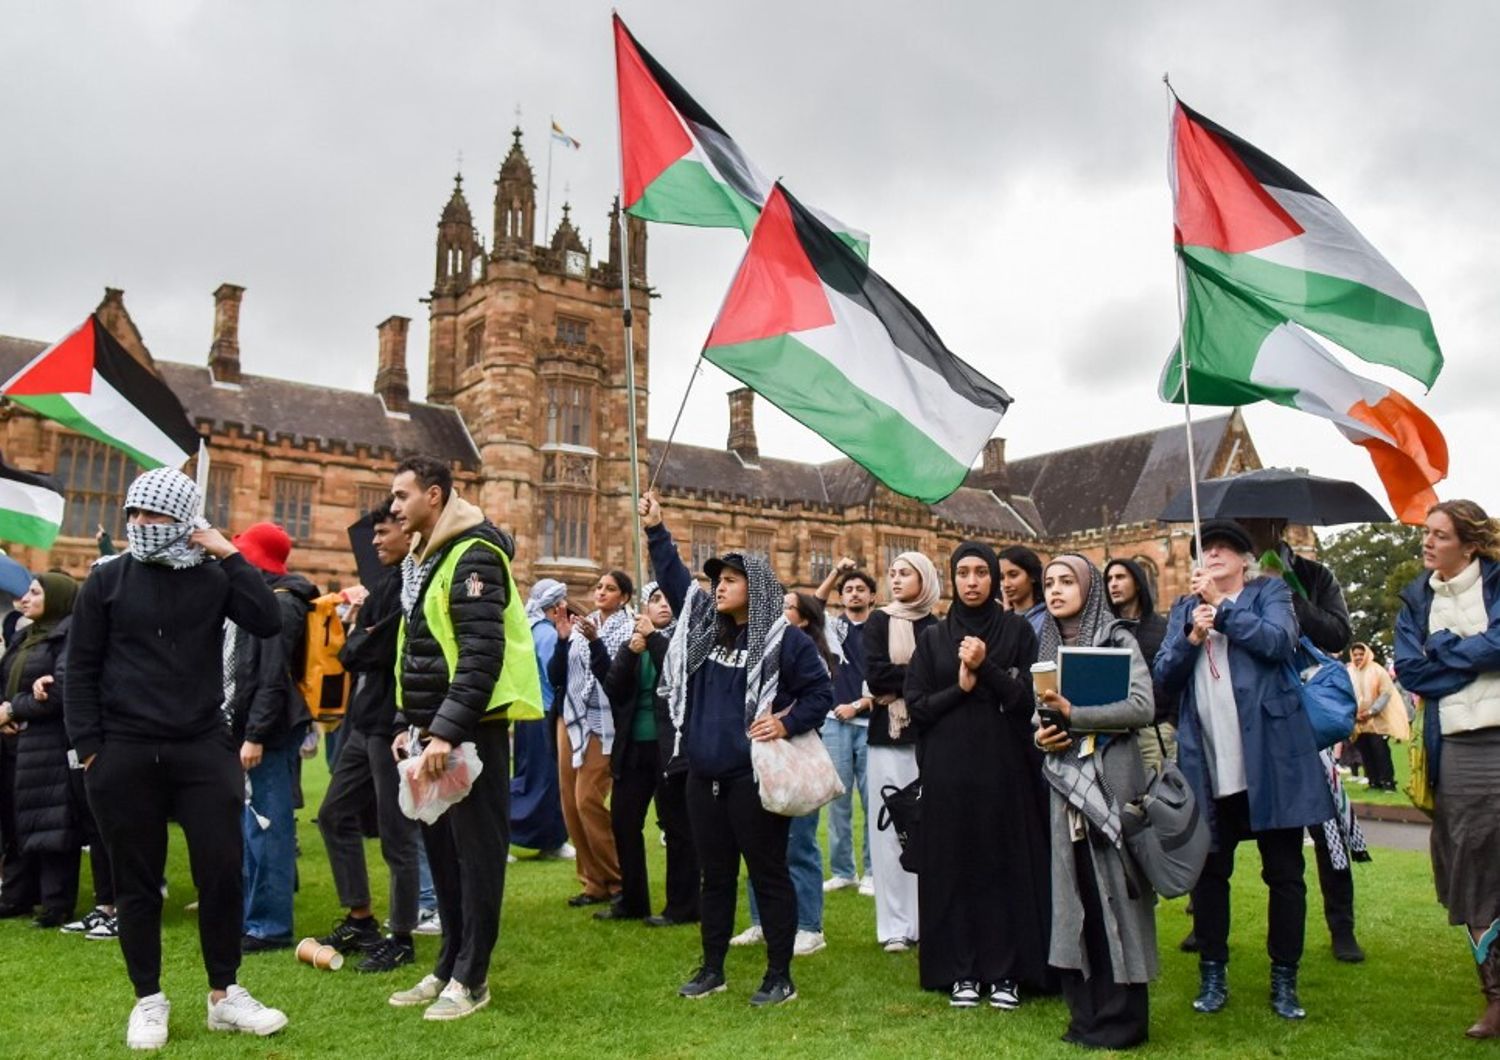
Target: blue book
{"points": [[1092, 677]]}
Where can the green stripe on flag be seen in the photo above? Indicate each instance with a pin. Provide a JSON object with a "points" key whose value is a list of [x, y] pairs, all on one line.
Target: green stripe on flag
{"points": [[812, 391], [687, 193], [1371, 325], [57, 407], [22, 529]]}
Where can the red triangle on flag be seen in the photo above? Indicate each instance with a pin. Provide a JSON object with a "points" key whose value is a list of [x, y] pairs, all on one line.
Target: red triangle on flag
{"points": [[67, 367], [1220, 205], [776, 290], [651, 134]]}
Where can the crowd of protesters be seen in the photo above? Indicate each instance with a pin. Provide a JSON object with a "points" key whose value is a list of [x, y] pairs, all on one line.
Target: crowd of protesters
{"points": [[164, 687]]}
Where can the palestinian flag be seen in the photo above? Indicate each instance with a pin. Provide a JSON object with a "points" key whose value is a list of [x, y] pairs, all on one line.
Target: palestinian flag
{"points": [[31, 507], [89, 383], [678, 165], [1246, 223], [1262, 256], [808, 325]]}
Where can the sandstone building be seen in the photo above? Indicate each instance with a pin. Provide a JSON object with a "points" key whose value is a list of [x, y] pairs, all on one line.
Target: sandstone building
{"points": [[527, 402]]}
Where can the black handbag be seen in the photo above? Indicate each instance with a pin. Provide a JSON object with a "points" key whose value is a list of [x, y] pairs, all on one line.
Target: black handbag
{"points": [[901, 809]]}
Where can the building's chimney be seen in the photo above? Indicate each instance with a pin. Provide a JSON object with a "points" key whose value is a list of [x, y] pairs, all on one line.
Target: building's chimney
{"points": [[993, 471], [742, 425], [390, 371], [224, 354]]}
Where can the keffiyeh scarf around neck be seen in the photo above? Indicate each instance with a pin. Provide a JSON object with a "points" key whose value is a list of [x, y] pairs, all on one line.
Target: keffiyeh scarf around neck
{"points": [[583, 689], [1077, 774], [694, 640]]}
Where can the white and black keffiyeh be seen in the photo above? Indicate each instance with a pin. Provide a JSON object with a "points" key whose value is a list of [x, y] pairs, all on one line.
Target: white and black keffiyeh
{"points": [[165, 491], [584, 696], [1345, 839], [697, 631]]}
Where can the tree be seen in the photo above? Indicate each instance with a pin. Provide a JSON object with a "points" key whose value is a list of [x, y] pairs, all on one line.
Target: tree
{"points": [[1373, 563]]}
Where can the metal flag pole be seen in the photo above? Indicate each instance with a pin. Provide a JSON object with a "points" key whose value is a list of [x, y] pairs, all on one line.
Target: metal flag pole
{"points": [[547, 202], [1180, 279], [627, 321]]}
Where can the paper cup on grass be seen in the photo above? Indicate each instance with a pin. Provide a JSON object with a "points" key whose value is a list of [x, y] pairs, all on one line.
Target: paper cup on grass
{"points": [[326, 958]]}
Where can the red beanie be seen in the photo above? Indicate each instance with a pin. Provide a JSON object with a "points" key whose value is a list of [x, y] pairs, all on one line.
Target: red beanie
{"points": [[266, 546]]}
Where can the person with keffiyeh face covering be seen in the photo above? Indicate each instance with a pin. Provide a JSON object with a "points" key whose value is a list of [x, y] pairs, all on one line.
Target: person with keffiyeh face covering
{"points": [[736, 671], [982, 879], [144, 691], [1103, 916]]}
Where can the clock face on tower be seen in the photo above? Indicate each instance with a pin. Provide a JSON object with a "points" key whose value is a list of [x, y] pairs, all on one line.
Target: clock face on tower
{"points": [[575, 263], [476, 268]]}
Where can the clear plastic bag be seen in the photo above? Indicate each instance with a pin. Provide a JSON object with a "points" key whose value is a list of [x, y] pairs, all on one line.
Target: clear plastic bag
{"points": [[424, 798]]}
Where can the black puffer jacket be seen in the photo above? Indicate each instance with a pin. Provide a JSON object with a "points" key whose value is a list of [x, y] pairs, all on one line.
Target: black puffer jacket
{"points": [[267, 707], [476, 603], [44, 816]]}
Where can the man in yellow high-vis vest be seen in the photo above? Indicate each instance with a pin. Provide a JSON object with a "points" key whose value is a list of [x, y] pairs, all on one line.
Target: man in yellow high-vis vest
{"points": [[465, 667]]}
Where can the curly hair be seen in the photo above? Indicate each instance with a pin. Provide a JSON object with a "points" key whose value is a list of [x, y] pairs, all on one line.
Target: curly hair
{"points": [[1473, 526]]}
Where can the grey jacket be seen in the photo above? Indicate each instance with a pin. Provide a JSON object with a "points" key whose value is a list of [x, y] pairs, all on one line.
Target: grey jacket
{"points": [[1129, 922]]}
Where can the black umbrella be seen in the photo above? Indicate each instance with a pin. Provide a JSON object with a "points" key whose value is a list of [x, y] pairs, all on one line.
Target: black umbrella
{"points": [[362, 544], [1274, 493]]}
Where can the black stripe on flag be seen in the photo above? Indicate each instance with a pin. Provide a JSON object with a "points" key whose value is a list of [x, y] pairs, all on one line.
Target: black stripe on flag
{"points": [[141, 387], [1262, 166], [28, 478], [838, 266]]}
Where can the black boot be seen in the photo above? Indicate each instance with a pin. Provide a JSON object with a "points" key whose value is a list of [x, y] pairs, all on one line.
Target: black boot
{"points": [[1346, 947], [1284, 992], [1213, 986]]}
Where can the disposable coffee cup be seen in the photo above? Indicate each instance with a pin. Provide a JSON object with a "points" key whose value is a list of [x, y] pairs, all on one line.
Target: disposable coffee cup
{"points": [[325, 958], [1044, 677]]}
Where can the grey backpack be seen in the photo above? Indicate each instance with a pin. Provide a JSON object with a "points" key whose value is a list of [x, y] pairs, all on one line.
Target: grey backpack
{"points": [[1166, 833]]}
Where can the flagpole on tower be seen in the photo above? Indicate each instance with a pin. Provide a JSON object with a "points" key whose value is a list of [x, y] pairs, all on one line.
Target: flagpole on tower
{"points": [[1182, 357], [547, 206], [627, 321]]}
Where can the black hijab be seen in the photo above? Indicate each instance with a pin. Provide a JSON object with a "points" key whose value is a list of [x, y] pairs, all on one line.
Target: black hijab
{"points": [[985, 620]]}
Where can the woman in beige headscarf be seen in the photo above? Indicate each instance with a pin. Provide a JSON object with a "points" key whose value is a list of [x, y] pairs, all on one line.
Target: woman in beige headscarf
{"points": [[1381, 716], [890, 638]]}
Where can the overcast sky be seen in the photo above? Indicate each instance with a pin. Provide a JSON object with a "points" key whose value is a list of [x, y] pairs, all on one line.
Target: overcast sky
{"points": [[1007, 159]]}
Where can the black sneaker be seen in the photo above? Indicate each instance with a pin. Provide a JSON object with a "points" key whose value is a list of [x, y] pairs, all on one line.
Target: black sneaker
{"points": [[352, 934], [705, 981], [256, 944], [92, 919], [774, 989], [387, 955]]}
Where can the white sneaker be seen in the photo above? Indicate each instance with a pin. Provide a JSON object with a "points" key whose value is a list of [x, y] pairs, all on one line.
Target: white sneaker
{"points": [[457, 1001], [838, 883], [867, 886], [751, 936], [427, 990], [566, 852], [147, 1028], [241, 1012], [895, 945], [428, 923], [808, 943]]}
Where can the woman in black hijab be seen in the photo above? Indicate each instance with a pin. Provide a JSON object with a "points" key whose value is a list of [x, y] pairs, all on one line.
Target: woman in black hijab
{"points": [[983, 886]]}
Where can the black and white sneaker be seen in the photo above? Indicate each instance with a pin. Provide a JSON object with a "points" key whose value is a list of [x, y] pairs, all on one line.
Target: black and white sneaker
{"points": [[1006, 995], [90, 920], [387, 955], [965, 994], [775, 989], [352, 934], [107, 930], [705, 981]]}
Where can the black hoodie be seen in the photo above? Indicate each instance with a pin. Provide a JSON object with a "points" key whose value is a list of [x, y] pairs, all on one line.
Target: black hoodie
{"points": [[1149, 629], [267, 707]]}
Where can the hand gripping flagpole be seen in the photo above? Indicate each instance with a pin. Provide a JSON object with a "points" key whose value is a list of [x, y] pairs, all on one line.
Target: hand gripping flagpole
{"points": [[1179, 280]]}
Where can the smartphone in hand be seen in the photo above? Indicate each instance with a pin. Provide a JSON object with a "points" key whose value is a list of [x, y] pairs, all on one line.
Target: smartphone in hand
{"points": [[1050, 716]]}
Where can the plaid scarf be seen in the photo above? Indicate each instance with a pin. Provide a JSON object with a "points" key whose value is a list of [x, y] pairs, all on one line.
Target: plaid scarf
{"points": [[583, 694]]}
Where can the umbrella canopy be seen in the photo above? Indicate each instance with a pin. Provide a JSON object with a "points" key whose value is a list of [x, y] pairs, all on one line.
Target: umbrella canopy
{"points": [[1274, 493], [14, 578]]}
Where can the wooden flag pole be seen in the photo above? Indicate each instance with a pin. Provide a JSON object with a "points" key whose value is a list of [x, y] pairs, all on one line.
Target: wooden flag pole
{"points": [[1182, 358]]}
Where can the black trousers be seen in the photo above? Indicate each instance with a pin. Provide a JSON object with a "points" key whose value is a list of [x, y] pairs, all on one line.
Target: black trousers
{"points": [[1102, 1013], [729, 823], [466, 850], [57, 882], [683, 878], [134, 789], [363, 772], [1282, 870], [636, 771], [1337, 886], [104, 879], [1376, 753]]}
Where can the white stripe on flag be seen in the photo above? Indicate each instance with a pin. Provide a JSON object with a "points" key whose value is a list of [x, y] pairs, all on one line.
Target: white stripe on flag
{"points": [[1290, 359], [31, 499], [111, 413], [858, 345]]}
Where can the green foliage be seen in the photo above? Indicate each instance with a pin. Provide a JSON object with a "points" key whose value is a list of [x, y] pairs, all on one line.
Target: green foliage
{"points": [[1373, 563], [566, 985]]}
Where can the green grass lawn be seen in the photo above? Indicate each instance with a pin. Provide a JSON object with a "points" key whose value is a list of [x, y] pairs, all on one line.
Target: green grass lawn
{"points": [[566, 985]]}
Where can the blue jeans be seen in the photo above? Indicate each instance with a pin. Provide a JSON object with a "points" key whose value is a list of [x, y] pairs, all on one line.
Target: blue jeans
{"points": [[270, 861], [847, 745], [805, 863], [426, 892]]}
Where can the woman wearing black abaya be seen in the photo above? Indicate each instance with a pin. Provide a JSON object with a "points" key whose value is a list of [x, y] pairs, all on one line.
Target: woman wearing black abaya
{"points": [[982, 890]]}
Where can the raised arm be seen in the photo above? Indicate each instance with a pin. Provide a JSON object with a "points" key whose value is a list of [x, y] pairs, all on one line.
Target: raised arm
{"points": [[672, 575]]}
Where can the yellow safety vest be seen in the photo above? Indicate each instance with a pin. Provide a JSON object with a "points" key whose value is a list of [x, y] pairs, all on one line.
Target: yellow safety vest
{"points": [[518, 691]]}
